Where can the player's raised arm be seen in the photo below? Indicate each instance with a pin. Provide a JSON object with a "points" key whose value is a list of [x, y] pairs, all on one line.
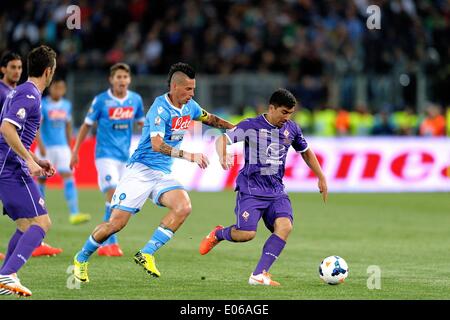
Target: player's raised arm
{"points": [[214, 121], [311, 160]]}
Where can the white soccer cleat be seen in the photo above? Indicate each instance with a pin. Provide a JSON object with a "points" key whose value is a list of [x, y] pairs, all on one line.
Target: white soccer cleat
{"points": [[4, 292], [12, 283], [263, 279]]}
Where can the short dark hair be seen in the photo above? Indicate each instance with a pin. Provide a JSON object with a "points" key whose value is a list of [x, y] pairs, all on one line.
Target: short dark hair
{"points": [[39, 59], [119, 66], [283, 98], [9, 56], [180, 67]]}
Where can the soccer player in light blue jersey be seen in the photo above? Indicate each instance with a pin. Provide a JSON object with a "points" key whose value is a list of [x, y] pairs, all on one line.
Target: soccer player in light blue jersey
{"points": [[54, 144], [115, 111], [148, 172]]}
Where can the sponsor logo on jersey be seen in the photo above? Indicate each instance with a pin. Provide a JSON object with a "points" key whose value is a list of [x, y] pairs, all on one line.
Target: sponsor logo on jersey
{"points": [[120, 113], [57, 114], [177, 137], [274, 153], [120, 126], [181, 123]]}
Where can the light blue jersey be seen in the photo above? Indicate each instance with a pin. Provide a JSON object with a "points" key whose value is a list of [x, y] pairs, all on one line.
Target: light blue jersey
{"points": [[115, 119], [169, 122], [55, 115]]}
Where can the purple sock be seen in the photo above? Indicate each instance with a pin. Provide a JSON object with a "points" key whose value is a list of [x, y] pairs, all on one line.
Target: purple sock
{"points": [[224, 234], [12, 244], [271, 250], [24, 248]]}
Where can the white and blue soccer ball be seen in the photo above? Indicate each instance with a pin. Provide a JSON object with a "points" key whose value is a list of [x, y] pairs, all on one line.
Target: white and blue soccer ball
{"points": [[333, 270]]}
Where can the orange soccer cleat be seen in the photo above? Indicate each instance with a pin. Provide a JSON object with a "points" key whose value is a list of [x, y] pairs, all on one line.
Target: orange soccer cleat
{"points": [[210, 241], [46, 250], [110, 250], [2, 256]]}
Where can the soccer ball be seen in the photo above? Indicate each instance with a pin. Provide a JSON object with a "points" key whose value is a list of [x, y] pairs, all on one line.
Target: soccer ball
{"points": [[333, 270]]}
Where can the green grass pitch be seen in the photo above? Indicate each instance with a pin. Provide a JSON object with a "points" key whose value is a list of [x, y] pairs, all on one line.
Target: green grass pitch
{"points": [[405, 235]]}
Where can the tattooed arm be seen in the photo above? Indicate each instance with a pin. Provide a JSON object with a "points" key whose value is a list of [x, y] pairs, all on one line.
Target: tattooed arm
{"points": [[159, 145], [215, 121]]}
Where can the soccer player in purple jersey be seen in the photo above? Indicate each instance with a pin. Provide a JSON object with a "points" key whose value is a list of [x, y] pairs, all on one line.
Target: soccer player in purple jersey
{"points": [[22, 202], [11, 68], [259, 185]]}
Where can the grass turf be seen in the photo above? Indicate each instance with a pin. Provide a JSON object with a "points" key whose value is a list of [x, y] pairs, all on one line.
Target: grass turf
{"points": [[406, 235]]}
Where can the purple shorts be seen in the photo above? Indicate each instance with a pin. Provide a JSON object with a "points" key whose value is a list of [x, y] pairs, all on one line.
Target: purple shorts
{"points": [[21, 198], [250, 209]]}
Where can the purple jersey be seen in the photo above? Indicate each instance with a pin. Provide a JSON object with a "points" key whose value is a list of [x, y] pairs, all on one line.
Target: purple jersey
{"points": [[266, 148], [22, 108], [4, 90]]}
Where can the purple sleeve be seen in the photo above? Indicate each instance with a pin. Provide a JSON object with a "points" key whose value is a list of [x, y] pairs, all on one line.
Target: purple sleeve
{"points": [[299, 143], [240, 132], [19, 109]]}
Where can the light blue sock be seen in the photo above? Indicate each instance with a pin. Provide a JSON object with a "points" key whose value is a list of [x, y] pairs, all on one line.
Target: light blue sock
{"points": [[88, 249], [159, 238], [71, 195], [113, 238], [42, 189]]}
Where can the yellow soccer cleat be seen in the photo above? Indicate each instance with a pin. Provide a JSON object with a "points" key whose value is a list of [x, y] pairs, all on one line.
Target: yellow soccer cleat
{"points": [[147, 261], [79, 218], [80, 270]]}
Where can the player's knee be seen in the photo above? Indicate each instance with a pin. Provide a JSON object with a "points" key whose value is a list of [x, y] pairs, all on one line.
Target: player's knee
{"points": [[287, 228], [45, 224], [183, 210], [283, 227]]}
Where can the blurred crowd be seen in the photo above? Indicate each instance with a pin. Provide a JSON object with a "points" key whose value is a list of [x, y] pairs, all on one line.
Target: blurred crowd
{"points": [[312, 42], [332, 122]]}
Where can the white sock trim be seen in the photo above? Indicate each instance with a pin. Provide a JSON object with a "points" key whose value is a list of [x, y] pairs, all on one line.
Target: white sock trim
{"points": [[166, 232]]}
